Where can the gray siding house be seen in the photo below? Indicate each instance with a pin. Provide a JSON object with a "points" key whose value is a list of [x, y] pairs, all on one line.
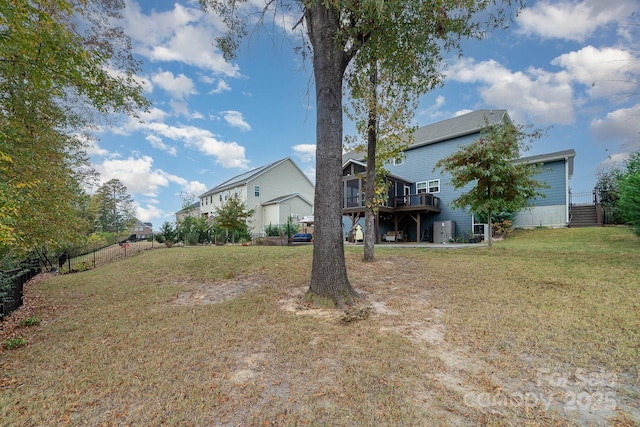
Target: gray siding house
{"points": [[419, 196]]}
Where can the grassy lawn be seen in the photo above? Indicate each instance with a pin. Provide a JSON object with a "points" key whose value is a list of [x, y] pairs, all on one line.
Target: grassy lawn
{"points": [[541, 329]]}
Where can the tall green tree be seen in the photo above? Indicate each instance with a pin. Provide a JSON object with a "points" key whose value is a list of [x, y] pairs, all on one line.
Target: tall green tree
{"points": [[115, 212], [55, 57], [500, 183], [415, 35], [629, 184]]}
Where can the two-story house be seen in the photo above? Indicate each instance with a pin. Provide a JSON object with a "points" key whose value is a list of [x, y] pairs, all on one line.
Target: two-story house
{"points": [[277, 191], [419, 196]]}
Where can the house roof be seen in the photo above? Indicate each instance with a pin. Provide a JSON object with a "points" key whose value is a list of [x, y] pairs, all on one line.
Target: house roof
{"points": [[246, 177], [284, 198], [551, 157], [455, 127], [358, 162], [192, 207], [139, 223]]}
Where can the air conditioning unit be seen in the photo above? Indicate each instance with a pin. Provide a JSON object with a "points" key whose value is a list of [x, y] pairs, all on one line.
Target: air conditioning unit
{"points": [[443, 231]]}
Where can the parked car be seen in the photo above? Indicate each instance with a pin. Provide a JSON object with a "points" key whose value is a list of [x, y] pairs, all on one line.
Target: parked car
{"points": [[302, 237]]}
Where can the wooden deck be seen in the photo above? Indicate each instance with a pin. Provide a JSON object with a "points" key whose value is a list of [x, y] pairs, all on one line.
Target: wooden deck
{"points": [[421, 203]]}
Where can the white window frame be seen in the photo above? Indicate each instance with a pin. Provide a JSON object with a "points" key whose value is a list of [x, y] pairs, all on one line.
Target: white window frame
{"points": [[433, 184], [256, 191], [421, 187], [397, 161]]}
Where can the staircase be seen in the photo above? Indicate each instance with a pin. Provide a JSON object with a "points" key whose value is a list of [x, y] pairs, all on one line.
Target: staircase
{"points": [[584, 216]]}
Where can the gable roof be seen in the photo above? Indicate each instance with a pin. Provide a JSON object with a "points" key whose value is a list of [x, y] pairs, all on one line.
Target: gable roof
{"points": [[552, 157], [246, 177], [455, 127], [287, 197], [193, 207]]}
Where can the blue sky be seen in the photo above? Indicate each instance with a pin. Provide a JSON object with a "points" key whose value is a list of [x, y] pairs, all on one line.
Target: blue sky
{"points": [[572, 65]]}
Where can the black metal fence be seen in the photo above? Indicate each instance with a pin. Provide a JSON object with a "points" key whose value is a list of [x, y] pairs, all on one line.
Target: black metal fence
{"points": [[85, 258], [12, 285], [71, 261], [583, 198]]}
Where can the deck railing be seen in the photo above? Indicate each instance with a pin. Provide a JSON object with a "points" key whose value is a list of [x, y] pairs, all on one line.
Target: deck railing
{"points": [[417, 200]]}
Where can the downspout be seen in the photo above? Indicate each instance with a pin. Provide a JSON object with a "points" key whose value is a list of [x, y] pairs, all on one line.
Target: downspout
{"points": [[566, 190]]}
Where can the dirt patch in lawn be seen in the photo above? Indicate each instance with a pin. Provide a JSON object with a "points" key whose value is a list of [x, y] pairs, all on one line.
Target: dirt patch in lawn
{"points": [[212, 293]]}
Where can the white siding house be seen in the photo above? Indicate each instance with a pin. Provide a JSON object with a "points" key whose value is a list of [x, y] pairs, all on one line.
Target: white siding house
{"points": [[276, 191]]}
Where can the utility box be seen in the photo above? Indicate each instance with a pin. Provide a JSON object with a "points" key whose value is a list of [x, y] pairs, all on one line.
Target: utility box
{"points": [[443, 231]]}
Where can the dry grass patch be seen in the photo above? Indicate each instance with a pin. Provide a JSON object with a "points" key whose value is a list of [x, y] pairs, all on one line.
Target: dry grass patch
{"points": [[223, 336]]}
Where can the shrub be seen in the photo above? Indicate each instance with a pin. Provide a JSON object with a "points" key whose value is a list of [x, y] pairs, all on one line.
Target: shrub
{"points": [[12, 343], [30, 321]]}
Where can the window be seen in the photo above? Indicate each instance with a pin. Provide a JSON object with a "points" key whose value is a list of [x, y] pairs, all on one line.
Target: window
{"points": [[398, 161], [220, 196], [433, 186], [256, 191]]}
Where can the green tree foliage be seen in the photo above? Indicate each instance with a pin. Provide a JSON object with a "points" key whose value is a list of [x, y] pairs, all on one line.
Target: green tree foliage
{"points": [[609, 193], [232, 217], [408, 37], [167, 234], [382, 110], [113, 206], [55, 83], [500, 183], [629, 184]]}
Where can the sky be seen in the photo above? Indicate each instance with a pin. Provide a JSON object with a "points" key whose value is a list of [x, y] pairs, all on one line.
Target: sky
{"points": [[569, 66]]}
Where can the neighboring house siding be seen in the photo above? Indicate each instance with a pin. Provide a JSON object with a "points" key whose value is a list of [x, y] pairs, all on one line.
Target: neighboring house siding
{"points": [[281, 179], [278, 213]]}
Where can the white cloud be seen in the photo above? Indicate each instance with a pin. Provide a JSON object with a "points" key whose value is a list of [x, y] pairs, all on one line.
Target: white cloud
{"points": [[148, 213], [622, 125], [221, 87], [305, 152], [607, 72], [156, 142], [572, 20], [433, 111], [462, 112], [235, 119], [135, 173], [531, 95], [228, 154], [184, 34], [179, 86], [194, 187]]}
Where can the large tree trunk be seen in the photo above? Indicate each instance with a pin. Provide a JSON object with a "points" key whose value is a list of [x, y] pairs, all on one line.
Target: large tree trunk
{"points": [[329, 272], [371, 209]]}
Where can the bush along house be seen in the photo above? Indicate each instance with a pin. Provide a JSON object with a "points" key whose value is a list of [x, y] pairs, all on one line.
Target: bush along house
{"points": [[418, 205]]}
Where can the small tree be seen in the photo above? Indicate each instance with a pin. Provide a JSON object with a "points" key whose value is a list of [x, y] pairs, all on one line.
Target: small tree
{"points": [[167, 234], [609, 192], [232, 218], [501, 182]]}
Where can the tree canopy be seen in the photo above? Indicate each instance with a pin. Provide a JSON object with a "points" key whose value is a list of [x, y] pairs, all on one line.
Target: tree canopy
{"points": [[629, 184], [113, 207], [232, 216], [409, 37], [56, 81], [500, 182]]}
